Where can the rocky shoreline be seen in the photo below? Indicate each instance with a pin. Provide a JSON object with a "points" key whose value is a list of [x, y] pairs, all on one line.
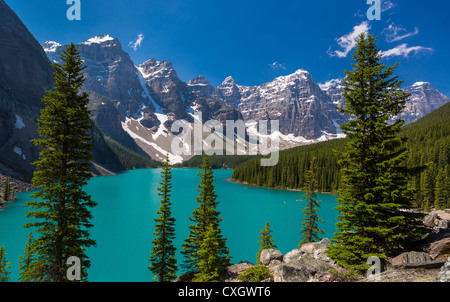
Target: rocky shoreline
{"points": [[16, 184], [428, 260]]}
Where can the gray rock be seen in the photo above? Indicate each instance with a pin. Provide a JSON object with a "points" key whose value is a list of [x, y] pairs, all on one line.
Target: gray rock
{"points": [[301, 270], [442, 224], [320, 254], [415, 260], [292, 256], [273, 265], [268, 255], [437, 244], [444, 273], [409, 258], [308, 248], [311, 248], [325, 242], [235, 270]]}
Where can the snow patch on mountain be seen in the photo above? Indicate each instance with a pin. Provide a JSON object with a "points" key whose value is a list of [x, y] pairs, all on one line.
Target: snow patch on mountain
{"points": [[19, 152], [146, 93], [19, 122], [162, 130], [174, 159]]}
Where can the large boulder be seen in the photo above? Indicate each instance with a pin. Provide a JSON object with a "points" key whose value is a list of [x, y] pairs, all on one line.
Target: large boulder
{"points": [[437, 244], [317, 249], [444, 273], [311, 248], [235, 270], [410, 258], [300, 270], [438, 220], [415, 260], [269, 255], [292, 256]]}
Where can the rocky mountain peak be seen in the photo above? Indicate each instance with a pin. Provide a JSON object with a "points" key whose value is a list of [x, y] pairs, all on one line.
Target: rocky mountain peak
{"points": [[228, 81], [423, 99], [157, 69], [201, 87], [199, 80], [50, 46]]}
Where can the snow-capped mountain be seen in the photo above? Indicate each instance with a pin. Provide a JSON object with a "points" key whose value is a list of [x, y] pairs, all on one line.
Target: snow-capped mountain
{"points": [[302, 108], [145, 100], [423, 98]]}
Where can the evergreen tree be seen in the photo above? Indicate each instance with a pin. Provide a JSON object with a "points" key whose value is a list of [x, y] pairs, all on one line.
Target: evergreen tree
{"points": [[61, 209], [310, 230], [7, 190], [442, 193], [4, 266], [163, 262], [27, 260], [210, 263], [266, 241], [204, 215], [428, 187], [374, 177]]}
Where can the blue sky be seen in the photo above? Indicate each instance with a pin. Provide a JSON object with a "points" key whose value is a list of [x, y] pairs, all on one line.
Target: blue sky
{"points": [[256, 41]]}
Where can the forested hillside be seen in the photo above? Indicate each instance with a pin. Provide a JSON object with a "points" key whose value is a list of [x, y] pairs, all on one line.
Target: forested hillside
{"points": [[428, 142]]}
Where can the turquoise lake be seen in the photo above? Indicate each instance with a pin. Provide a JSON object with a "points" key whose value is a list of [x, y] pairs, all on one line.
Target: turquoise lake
{"points": [[127, 204]]}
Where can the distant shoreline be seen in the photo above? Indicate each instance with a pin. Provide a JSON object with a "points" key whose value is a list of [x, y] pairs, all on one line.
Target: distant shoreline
{"points": [[276, 188]]}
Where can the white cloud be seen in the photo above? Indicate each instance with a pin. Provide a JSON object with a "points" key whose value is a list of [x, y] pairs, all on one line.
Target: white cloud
{"points": [[137, 43], [395, 33], [348, 42], [387, 5], [277, 66], [404, 50]]}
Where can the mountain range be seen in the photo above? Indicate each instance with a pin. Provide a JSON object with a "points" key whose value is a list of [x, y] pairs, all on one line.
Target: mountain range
{"points": [[136, 104], [150, 96]]}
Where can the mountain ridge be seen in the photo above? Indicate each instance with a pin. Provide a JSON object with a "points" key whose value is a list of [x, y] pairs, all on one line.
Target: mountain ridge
{"points": [[151, 97]]}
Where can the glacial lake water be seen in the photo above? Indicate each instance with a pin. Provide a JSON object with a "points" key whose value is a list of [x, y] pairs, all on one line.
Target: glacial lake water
{"points": [[127, 204]]}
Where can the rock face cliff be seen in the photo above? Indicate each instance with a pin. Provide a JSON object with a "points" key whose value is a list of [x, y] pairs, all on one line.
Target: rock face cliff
{"points": [[111, 74], [424, 98], [302, 108], [25, 75]]}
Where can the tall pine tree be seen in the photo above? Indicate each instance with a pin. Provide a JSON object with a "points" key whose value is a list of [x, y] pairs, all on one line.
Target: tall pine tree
{"points": [[4, 266], [163, 262], [61, 209], [311, 230], [204, 216], [374, 178], [27, 260], [7, 190], [266, 241], [210, 263], [442, 189]]}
